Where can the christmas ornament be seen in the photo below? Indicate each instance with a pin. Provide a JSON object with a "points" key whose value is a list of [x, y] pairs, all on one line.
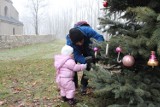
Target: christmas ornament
{"points": [[108, 37], [105, 4], [107, 27], [118, 50], [95, 51], [107, 47], [117, 32], [102, 29], [152, 61], [128, 60], [98, 27]]}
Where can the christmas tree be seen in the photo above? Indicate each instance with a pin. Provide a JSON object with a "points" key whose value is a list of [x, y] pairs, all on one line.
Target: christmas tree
{"points": [[127, 73]]}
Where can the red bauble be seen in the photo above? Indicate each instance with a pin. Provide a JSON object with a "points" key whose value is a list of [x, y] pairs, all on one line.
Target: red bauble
{"points": [[128, 60], [105, 4]]}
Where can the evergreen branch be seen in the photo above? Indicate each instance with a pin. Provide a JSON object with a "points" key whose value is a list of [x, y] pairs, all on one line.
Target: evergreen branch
{"points": [[158, 48], [152, 43], [143, 14], [130, 33], [158, 18]]}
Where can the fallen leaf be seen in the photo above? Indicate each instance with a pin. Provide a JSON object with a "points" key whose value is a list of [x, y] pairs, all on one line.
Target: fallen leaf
{"points": [[21, 105], [15, 81], [89, 91], [17, 90], [11, 106], [34, 83], [2, 102]]}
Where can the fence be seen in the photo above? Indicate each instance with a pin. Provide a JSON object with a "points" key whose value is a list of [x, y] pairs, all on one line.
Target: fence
{"points": [[11, 41]]}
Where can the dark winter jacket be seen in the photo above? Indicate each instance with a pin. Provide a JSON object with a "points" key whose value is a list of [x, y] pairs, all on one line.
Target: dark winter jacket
{"points": [[79, 50]]}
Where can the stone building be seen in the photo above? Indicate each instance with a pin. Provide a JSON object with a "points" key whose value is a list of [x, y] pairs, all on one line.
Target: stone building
{"points": [[9, 19]]}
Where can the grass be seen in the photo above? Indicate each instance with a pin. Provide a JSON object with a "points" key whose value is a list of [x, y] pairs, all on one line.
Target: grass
{"points": [[27, 77]]}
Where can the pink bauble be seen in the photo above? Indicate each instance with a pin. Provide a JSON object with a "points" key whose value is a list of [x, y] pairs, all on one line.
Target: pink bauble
{"points": [[128, 60], [95, 49], [118, 49]]}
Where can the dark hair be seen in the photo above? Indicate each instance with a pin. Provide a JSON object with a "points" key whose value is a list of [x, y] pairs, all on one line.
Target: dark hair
{"points": [[75, 35]]}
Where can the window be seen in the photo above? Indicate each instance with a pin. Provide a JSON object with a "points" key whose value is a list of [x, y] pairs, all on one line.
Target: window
{"points": [[5, 10], [13, 31]]}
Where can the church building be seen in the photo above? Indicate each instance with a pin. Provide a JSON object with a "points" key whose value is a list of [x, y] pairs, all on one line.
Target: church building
{"points": [[9, 19]]}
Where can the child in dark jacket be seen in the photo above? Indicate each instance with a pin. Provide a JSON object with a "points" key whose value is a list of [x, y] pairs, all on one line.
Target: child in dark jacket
{"points": [[79, 39]]}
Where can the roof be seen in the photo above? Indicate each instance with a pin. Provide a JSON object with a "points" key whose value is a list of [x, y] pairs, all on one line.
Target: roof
{"points": [[9, 1], [11, 20]]}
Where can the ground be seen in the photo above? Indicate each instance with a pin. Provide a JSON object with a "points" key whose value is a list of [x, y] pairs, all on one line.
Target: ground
{"points": [[27, 77]]}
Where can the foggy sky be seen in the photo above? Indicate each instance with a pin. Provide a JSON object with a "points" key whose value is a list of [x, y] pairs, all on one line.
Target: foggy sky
{"points": [[58, 16]]}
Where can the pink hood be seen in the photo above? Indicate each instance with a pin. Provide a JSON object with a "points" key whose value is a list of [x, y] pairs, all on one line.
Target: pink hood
{"points": [[66, 66], [60, 60]]}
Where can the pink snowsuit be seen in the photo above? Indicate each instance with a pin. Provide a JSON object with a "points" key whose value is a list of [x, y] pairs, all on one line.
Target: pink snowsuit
{"points": [[65, 70]]}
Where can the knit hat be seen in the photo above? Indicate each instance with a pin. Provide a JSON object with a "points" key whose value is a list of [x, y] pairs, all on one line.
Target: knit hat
{"points": [[67, 50], [81, 23], [75, 35]]}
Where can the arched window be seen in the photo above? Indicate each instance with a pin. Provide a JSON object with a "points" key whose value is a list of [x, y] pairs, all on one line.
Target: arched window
{"points": [[5, 10], [13, 31]]}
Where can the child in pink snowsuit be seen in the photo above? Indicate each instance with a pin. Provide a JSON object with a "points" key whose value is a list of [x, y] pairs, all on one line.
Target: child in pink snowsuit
{"points": [[65, 70]]}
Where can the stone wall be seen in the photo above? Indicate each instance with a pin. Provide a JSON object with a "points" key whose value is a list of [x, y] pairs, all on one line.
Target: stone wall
{"points": [[10, 41]]}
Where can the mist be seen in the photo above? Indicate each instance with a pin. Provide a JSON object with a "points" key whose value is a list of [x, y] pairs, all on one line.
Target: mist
{"points": [[57, 17]]}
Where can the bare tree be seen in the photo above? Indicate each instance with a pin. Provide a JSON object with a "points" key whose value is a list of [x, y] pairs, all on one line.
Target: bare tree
{"points": [[36, 7], [45, 18]]}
